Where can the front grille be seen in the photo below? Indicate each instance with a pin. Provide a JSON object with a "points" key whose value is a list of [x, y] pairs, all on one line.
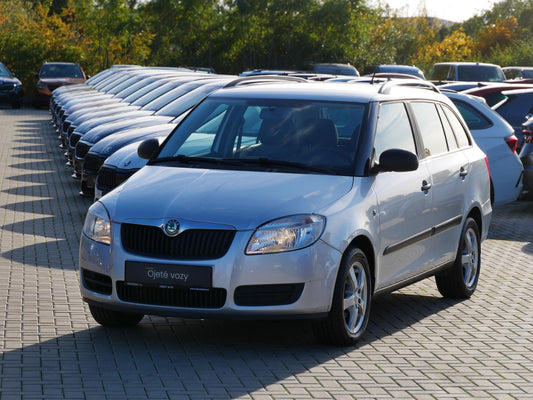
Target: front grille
{"points": [[7, 86], [192, 244], [82, 149], [110, 178], [268, 295], [172, 297], [92, 162], [53, 87], [96, 282], [66, 125]]}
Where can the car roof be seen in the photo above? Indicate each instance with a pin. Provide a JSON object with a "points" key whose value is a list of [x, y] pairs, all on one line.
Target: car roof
{"points": [[59, 63], [337, 91], [465, 63]]}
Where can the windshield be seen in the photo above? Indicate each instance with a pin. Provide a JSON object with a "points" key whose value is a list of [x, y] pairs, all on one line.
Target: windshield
{"points": [[267, 134], [4, 71], [61, 71]]}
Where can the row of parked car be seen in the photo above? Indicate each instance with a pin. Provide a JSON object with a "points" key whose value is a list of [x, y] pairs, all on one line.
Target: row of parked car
{"points": [[102, 122]]}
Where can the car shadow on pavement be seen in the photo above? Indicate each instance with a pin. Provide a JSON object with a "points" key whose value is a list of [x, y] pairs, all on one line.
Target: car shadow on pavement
{"points": [[513, 222], [208, 359]]}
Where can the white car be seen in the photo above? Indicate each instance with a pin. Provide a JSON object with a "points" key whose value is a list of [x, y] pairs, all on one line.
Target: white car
{"points": [[292, 200], [496, 138]]}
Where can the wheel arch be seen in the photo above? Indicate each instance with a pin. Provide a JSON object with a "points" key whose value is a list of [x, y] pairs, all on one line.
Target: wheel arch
{"points": [[365, 244], [475, 214]]}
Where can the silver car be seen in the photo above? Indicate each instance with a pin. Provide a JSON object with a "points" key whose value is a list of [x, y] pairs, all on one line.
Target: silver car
{"points": [[292, 200]]}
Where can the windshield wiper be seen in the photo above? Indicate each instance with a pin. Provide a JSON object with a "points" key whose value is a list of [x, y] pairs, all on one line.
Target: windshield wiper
{"points": [[238, 162], [197, 160], [268, 162]]}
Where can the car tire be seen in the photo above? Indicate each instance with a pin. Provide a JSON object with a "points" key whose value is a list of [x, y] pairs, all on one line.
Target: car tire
{"points": [[460, 280], [113, 318], [16, 104], [350, 309]]}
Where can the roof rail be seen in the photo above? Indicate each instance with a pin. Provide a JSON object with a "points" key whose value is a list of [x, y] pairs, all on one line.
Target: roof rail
{"points": [[263, 79], [415, 83]]}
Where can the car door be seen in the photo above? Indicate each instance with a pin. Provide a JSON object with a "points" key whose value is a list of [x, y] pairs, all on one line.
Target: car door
{"points": [[449, 168], [403, 201]]}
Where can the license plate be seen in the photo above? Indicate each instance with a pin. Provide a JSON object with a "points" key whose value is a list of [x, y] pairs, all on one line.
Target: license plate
{"points": [[169, 274]]}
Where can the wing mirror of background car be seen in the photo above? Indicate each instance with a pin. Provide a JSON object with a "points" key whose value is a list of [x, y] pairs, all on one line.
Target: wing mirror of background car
{"points": [[147, 148], [397, 160]]}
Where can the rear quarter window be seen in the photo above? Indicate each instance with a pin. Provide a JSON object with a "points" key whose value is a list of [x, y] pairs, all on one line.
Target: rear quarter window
{"points": [[458, 128]]}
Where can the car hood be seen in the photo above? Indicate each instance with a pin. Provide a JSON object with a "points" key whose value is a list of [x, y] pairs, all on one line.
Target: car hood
{"points": [[61, 81], [105, 129], [9, 79], [92, 120], [241, 199], [111, 144]]}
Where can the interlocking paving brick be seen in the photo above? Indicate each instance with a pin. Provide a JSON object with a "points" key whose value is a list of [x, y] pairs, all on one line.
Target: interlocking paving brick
{"points": [[418, 345]]}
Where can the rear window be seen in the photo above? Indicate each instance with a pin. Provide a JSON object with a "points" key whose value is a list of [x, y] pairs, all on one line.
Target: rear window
{"points": [[480, 73]]}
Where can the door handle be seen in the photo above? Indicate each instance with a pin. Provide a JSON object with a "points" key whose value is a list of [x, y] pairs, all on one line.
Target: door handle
{"points": [[463, 172], [425, 186]]}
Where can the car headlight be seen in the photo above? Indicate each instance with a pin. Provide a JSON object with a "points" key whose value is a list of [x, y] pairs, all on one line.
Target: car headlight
{"points": [[286, 234], [97, 224], [41, 85]]}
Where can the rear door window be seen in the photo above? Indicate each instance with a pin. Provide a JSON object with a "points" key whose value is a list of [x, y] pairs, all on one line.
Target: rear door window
{"points": [[430, 127]]}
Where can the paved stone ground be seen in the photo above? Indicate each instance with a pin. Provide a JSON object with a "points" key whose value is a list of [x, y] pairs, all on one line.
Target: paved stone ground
{"points": [[418, 345]]}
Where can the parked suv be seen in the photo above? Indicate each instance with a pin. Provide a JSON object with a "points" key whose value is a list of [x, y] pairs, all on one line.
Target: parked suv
{"points": [[292, 200]]}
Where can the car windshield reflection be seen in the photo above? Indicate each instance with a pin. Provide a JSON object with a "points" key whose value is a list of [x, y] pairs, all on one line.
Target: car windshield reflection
{"points": [[282, 135]]}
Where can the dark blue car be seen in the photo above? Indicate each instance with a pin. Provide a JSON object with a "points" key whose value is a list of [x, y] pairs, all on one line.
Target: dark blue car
{"points": [[11, 91]]}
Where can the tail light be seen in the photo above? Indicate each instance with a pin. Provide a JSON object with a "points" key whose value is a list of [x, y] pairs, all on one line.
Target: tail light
{"points": [[512, 142], [487, 163], [527, 131]]}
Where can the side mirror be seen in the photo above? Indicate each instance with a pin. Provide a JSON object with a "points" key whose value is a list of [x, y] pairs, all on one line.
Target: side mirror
{"points": [[398, 160], [147, 148]]}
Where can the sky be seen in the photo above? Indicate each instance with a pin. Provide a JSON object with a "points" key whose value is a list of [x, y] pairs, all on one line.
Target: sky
{"points": [[451, 10]]}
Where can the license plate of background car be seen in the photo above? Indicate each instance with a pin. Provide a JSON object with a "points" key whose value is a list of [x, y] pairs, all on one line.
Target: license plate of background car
{"points": [[196, 276]]}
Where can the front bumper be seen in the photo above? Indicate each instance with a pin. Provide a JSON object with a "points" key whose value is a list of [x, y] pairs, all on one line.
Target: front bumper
{"points": [[243, 286], [12, 96]]}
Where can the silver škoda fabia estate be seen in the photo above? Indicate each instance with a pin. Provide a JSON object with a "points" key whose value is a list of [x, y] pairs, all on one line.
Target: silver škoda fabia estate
{"points": [[292, 200]]}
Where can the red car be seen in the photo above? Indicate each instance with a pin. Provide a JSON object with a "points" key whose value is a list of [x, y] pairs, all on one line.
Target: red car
{"points": [[53, 75], [492, 92]]}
